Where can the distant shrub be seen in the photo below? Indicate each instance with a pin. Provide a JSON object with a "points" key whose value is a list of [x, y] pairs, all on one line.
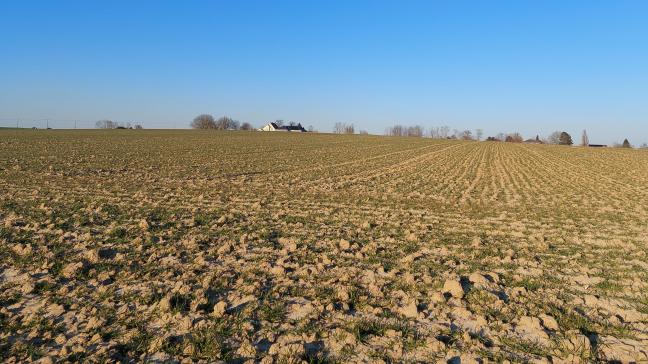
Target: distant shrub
{"points": [[514, 138]]}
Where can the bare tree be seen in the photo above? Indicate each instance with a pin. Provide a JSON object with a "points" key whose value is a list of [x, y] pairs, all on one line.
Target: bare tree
{"points": [[203, 121], [554, 138], [106, 124], [479, 133], [626, 144], [466, 135], [311, 128], [226, 123], [415, 131], [279, 122], [410, 131], [396, 130], [584, 139], [138, 126], [343, 128], [364, 132], [444, 132], [246, 126], [514, 138]]}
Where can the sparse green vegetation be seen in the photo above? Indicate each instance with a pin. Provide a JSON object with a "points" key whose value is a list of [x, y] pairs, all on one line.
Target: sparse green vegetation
{"points": [[208, 245]]}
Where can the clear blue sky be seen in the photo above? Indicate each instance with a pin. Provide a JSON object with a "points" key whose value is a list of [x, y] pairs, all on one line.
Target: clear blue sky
{"points": [[527, 66]]}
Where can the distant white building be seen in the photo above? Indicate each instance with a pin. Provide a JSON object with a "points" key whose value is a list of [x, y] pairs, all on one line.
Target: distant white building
{"points": [[274, 127]]}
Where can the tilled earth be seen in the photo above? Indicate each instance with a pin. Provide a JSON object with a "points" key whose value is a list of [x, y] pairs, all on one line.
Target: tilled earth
{"points": [[269, 247]]}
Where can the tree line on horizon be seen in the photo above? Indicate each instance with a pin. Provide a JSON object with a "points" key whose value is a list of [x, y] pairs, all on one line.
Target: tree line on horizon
{"points": [[444, 132], [207, 121], [109, 124]]}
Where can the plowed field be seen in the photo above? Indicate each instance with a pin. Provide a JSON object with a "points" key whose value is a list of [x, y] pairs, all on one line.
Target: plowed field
{"points": [[133, 245]]}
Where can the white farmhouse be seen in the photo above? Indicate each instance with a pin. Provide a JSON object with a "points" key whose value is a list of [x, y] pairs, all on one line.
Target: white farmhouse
{"points": [[274, 127]]}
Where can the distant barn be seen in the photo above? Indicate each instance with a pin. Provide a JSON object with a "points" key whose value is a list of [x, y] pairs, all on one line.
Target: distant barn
{"points": [[274, 127]]}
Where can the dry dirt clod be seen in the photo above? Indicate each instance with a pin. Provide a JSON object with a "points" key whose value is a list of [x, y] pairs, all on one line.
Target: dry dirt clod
{"points": [[549, 322], [408, 308], [531, 329], [453, 288]]}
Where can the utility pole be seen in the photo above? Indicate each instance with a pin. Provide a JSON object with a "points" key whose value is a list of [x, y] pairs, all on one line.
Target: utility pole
{"points": [[75, 122], [46, 123]]}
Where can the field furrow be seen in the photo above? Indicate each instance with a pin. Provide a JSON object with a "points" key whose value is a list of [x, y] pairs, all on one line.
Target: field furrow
{"points": [[267, 247]]}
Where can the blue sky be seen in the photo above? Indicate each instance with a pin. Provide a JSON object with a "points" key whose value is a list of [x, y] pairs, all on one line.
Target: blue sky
{"points": [[527, 66]]}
